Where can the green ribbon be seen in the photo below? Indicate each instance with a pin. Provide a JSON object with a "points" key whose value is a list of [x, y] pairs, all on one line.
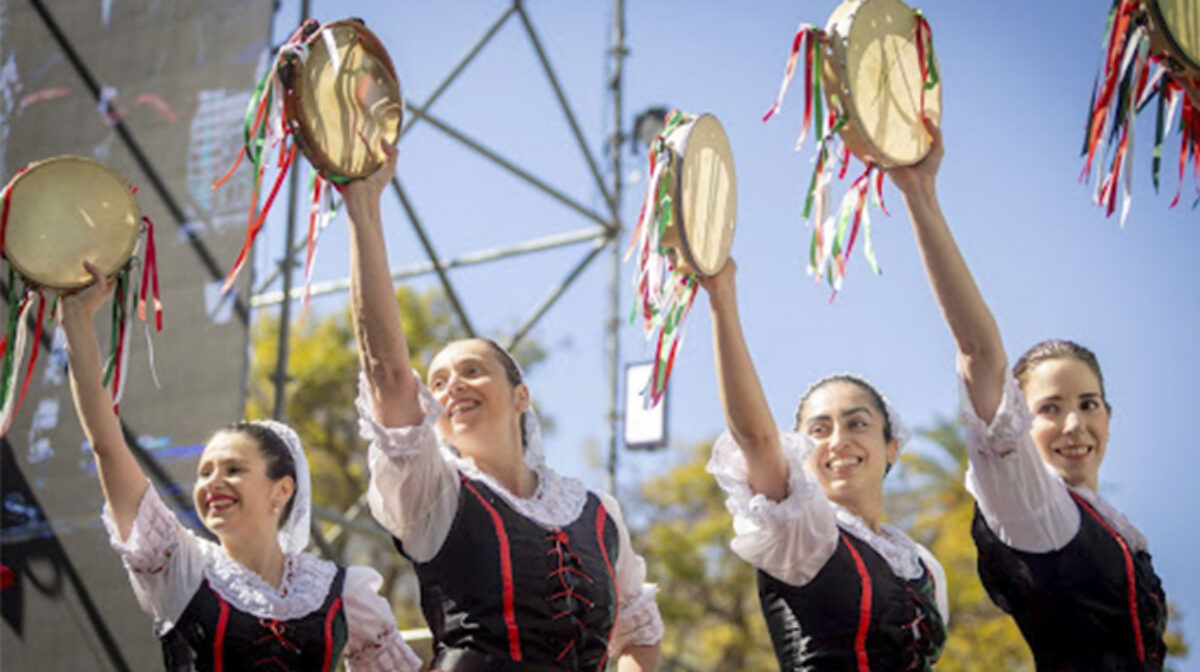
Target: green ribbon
{"points": [[14, 319]]}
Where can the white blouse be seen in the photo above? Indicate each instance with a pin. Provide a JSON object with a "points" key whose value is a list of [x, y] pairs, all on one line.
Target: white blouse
{"points": [[414, 489], [167, 563], [1024, 500], [793, 538]]}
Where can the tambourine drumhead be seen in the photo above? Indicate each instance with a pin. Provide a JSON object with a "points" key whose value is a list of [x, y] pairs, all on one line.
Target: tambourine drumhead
{"points": [[871, 66], [705, 193], [344, 99], [64, 211], [1179, 23]]}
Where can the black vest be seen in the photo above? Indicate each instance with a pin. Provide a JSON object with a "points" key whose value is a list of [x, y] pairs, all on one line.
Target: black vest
{"points": [[854, 615], [212, 636], [505, 594], [1091, 606]]}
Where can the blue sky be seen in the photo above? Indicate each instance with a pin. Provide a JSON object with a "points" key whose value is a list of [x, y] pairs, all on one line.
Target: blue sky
{"points": [[1016, 78]]}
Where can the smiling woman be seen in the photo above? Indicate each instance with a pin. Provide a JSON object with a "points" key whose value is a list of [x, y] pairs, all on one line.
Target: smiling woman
{"points": [[1074, 573], [255, 597], [521, 569], [839, 589]]}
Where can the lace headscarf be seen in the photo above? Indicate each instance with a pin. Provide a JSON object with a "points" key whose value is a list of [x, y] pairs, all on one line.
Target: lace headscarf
{"points": [[293, 533]]}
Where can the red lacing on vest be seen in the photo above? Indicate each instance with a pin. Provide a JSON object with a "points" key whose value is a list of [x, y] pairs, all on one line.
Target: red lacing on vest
{"points": [[568, 564]]}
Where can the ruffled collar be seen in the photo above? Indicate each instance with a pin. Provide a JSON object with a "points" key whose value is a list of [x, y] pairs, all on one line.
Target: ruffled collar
{"points": [[558, 500], [302, 590], [896, 547], [1132, 536]]}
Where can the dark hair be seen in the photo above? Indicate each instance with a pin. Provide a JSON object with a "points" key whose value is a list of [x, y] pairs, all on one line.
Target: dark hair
{"points": [[275, 453], [1055, 348], [876, 399]]}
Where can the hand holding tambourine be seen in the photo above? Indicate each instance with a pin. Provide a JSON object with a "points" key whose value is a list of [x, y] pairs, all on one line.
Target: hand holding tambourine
{"points": [[58, 215], [874, 66], [333, 95]]}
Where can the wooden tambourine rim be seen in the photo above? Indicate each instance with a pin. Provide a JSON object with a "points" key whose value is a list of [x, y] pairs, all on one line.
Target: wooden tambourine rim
{"points": [[678, 239], [1164, 40], [126, 253], [293, 93], [855, 139]]}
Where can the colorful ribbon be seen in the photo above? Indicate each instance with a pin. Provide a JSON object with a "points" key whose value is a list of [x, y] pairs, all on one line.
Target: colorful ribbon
{"points": [[664, 293], [1130, 79]]}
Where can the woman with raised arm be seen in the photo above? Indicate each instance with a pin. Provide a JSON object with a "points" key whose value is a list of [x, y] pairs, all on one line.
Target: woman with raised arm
{"points": [[840, 589], [255, 597], [521, 569], [1074, 573]]}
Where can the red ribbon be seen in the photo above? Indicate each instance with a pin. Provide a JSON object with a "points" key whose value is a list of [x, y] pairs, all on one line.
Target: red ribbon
{"points": [[252, 233], [4, 212], [37, 337], [150, 272]]}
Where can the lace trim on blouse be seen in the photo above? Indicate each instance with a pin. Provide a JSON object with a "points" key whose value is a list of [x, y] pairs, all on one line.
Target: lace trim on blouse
{"points": [[639, 623]]}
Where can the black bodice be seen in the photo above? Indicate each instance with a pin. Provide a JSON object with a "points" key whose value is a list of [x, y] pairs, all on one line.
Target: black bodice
{"points": [[504, 593], [854, 615], [1094, 605], [213, 636]]}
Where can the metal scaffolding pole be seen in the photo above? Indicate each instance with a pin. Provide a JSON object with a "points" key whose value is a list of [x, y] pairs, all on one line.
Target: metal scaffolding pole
{"points": [[615, 142]]}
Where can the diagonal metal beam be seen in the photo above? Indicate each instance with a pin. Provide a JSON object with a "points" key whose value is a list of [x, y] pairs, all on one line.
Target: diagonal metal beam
{"points": [[433, 258], [567, 112], [147, 167], [265, 298], [510, 166], [462, 65], [555, 293]]}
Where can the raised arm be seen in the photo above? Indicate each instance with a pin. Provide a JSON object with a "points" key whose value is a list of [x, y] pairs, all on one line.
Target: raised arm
{"points": [[981, 359], [382, 350], [746, 411], [121, 478]]}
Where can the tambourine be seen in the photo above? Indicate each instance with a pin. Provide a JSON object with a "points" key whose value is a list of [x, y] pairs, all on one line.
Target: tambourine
{"points": [[1151, 51], [1174, 27], [341, 98], [56, 215], [684, 232], [63, 211], [332, 94], [874, 66], [704, 196]]}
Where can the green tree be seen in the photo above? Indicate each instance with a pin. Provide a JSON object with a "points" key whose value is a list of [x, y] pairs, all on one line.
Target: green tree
{"points": [[707, 595]]}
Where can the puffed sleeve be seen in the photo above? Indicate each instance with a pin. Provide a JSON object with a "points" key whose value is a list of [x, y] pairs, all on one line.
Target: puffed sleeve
{"points": [[413, 490], [791, 539], [1023, 501], [638, 621], [164, 560], [373, 644]]}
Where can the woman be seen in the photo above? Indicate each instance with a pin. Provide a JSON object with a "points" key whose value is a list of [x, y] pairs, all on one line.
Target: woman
{"points": [[520, 569], [254, 597], [1073, 571], [839, 589]]}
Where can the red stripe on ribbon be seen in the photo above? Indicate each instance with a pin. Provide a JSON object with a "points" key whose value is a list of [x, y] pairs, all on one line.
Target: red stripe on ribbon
{"points": [[1131, 588], [150, 278], [252, 233], [506, 574], [4, 212], [864, 607]]}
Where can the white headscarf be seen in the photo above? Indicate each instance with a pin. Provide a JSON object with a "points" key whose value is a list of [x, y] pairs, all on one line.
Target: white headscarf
{"points": [[293, 533]]}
